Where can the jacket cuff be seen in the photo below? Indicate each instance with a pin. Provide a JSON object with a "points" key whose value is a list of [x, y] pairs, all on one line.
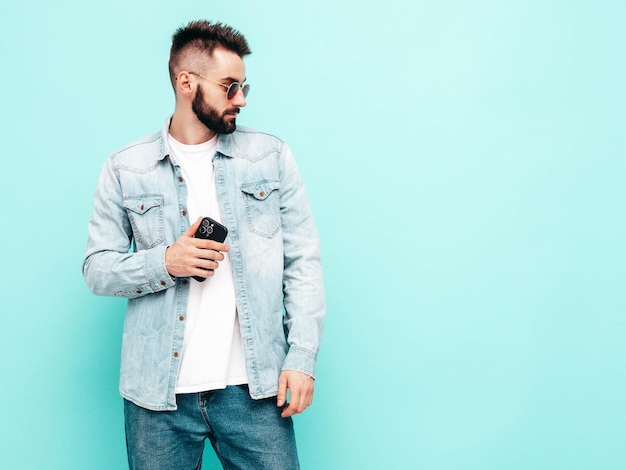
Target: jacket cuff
{"points": [[158, 277], [301, 360]]}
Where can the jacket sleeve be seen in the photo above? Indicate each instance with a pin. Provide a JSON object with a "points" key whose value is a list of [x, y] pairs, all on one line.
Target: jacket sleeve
{"points": [[110, 266], [303, 289]]}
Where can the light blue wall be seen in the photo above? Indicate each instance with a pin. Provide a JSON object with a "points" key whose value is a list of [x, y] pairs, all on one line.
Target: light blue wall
{"points": [[466, 164]]}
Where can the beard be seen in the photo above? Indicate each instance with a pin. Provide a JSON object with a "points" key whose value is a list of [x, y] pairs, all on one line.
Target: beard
{"points": [[223, 123]]}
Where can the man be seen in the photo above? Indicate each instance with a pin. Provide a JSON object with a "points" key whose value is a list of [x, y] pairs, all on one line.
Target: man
{"points": [[231, 358]]}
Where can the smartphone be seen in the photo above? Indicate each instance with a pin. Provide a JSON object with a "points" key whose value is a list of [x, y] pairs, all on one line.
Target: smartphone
{"points": [[210, 230]]}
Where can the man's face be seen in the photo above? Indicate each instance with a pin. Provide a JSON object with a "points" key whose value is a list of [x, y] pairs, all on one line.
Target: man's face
{"points": [[222, 122], [211, 104]]}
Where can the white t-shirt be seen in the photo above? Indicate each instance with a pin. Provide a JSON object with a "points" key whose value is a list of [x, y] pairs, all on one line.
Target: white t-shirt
{"points": [[213, 350]]}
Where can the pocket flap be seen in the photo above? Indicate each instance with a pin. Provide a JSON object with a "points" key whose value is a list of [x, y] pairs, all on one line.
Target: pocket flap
{"points": [[142, 204], [261, 189]]}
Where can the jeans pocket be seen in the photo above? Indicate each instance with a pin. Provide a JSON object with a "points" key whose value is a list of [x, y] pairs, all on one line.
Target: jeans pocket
{"points": [[262, 207], [145, 213]]}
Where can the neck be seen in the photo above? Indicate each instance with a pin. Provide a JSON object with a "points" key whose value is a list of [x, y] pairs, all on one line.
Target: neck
{"points": [[187, 129]]}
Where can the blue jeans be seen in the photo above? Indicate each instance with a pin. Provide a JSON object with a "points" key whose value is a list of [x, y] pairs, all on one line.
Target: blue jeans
{"points": [[245, 433]]}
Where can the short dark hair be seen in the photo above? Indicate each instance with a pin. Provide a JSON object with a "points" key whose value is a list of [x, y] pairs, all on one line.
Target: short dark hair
{"points": [[204, 37]]}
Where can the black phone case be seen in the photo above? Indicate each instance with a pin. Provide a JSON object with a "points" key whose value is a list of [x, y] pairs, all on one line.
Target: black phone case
{"points": [[210, 230]]}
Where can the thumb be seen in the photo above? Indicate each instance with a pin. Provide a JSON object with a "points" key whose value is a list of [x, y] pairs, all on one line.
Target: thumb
{"points": [[191, 231]]}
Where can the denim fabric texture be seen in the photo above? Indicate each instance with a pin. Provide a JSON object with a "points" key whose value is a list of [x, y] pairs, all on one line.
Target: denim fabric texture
{"points": [[139, 209], [245, 433]]}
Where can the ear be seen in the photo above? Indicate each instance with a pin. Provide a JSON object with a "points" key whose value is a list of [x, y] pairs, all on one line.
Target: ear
{"points": [[183, 83]]}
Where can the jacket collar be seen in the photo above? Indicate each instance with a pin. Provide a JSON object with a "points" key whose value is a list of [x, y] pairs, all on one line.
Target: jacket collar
{"points": [[224, 142]]}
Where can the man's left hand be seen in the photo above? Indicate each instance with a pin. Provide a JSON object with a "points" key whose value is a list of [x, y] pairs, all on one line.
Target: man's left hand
{"points": [[300, 386]]}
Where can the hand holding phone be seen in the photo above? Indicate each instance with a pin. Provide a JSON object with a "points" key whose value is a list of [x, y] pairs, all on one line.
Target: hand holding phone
{"points": [[210, 229]]}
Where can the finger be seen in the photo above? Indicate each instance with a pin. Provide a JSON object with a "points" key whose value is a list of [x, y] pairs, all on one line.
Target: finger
{"points": [[293, 407], [210, 245], [203, 273], [201, 256], [191, 231], [305, 399], [282, 390], [296, 399], [292, 410], [206, 264]]}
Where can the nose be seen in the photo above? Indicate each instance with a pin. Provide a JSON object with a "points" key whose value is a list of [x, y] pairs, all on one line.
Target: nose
{"points": [[239, 99]]}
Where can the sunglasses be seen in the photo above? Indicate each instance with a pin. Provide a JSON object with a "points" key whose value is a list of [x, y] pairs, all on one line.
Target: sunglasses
{"points": [[231, 90]]}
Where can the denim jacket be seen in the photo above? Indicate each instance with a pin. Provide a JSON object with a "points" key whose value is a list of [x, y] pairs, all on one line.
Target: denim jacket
{"points": [[139, 210]]}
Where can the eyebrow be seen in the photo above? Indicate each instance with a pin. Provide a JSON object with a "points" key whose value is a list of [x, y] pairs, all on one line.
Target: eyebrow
{"points": [[231, 79]]}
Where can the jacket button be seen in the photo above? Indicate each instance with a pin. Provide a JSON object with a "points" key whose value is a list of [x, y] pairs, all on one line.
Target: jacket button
{"points": [[175, 354], [181, 318], [184, 212], [180, 179], [138, 291], [141, 208], [162, 283], [185, 282], [262, 193]]}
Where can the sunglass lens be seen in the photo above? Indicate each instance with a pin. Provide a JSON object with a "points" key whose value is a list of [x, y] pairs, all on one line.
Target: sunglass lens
{"points": [[232, 90]]}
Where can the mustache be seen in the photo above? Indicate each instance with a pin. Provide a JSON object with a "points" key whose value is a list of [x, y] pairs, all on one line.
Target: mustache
{"points": [[232, 111]]}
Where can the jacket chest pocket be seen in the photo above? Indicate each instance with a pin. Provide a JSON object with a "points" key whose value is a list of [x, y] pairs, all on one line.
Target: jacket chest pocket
{"points": [[145, 213], [262, 207]]}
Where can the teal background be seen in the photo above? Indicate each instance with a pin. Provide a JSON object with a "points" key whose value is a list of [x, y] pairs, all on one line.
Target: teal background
{"points": [[465, 162]]}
